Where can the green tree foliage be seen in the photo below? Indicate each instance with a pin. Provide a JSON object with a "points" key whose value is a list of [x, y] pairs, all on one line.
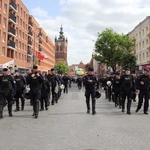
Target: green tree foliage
{"points": [[128, 60], [62, 68], [111, 48]]}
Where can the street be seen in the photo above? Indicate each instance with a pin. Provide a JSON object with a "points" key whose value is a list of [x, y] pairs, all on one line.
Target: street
{"points": [[67, 126]]}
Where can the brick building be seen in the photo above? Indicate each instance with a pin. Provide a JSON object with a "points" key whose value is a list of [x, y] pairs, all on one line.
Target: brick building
{"points": [[22, 39], [61, 47]]}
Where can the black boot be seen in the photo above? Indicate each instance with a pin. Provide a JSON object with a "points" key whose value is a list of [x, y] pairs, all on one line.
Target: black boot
{"points": [[88, 105], [10, 110], [93, 106]]}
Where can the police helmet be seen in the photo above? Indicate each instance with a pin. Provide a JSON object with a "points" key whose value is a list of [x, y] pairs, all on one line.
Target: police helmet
{"points": [[62, 87], [108, 83], [27, 95], [98, 94]]}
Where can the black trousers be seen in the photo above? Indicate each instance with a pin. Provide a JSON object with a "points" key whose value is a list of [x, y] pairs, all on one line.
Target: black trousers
{"points": [[66, 88], [35, 97], [91, 94], [19, 95], [143, 95], [126, 94], [117, 98], [6, 99]]}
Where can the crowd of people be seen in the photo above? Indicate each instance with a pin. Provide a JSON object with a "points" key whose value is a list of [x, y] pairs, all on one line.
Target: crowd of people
{"points": [[121, 86], [45, 89]]}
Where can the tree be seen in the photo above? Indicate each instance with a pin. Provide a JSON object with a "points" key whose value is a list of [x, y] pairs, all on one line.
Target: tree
{"points": [[128, 60], [110, 48], [61, 68]]}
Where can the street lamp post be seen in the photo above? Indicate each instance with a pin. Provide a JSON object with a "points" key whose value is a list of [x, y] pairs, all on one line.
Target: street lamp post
{"points": [[34, 51]]}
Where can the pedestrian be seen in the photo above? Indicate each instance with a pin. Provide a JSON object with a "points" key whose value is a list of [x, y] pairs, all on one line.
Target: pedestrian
{"points": [[65, 79], [20, 89], [53, 81], [143, 85], [90, 89], [7, 90], [45, 91], [79, 82], [127, 86], [116, 89], [35, 81]]}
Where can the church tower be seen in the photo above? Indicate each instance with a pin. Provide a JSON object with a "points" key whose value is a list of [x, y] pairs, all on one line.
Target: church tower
{"points": [[61, 44]]}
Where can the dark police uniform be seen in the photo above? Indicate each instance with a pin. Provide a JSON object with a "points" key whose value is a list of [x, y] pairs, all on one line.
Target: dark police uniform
{"points": [[45, 93], [117, 91], [53, 81], [90, 91], [65, 79], [20, 88], [35, 82], [143, 92], [127, 86], [79, 82], [7, 89]]}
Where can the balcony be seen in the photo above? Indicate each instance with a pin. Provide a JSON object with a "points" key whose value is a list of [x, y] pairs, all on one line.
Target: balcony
{"points": [[29, 43], [30, 33], [12, 18], [13, 5], [29, 53], [40, 49], [40, 34], [30, 24], [11, 31], [11, 44], [40, 41]]}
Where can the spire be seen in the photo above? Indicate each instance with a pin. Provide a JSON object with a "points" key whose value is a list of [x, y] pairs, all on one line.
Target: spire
{"points": [[61, 31]]}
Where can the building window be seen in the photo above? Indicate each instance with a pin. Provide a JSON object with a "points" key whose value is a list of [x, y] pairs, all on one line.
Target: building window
{"points": [[143, 44], [0, 4], [22, 57], [3, 51], [4, 22], [5, 8], [18, 7], [15, 55], [19, 45], [16, 31], [146, 54], [17, 20], [19, 56], [16, 44], [4, 37], [0, 18]]}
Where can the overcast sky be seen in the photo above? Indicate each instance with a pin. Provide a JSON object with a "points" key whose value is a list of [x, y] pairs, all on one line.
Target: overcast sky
{"points": [[83, 19]]}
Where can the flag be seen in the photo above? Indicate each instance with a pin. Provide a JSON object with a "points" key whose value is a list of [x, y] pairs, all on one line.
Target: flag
{"points": [[45, 55], [39, 56]]}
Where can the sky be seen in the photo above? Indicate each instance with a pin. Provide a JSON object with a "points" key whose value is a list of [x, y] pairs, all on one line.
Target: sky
{"points": [[83, 19]]}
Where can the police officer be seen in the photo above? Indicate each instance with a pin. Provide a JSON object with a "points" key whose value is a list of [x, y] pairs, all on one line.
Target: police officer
{"points": [[117, 90], [53, 81], [20, 89], [143, 85], [79, 82], [45, 93], [7, 89], [65, 79], [127, 86], [35, 82], [90, 82]]}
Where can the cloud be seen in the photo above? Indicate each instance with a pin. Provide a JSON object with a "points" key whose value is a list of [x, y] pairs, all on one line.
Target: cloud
{"points": [[83, 19]]}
